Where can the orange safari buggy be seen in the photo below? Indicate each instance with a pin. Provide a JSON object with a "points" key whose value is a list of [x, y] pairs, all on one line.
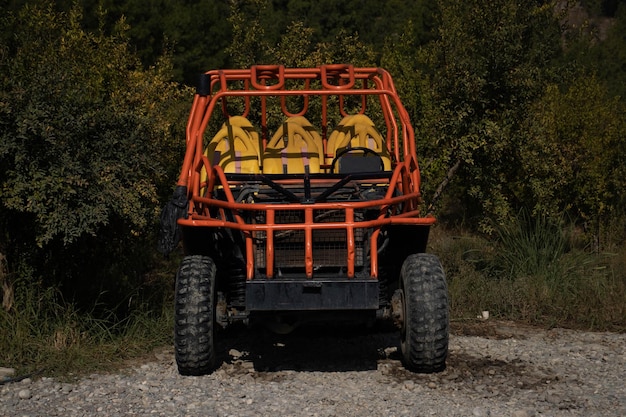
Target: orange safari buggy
{"points": [[299, 200]]}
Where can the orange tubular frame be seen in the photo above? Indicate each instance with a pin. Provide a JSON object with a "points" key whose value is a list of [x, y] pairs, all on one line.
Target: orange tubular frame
{"points": [[400, 205]]}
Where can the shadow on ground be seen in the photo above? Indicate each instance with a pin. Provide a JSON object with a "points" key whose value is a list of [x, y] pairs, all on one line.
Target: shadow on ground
{"points": [[310, 348]]}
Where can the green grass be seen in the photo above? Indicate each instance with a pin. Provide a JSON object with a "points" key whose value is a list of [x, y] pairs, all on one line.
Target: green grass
{"points": [[533, 271], [41, 332]]}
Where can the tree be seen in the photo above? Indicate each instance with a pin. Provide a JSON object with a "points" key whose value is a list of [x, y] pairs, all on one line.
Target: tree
{"points": [[574, 161], [608, 58], [197, 31], [484, 70], [86, 150], [295, 47]]}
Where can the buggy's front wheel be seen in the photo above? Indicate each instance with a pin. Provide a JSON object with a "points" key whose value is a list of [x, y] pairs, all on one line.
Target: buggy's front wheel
{"points": [[425, 321], [194, 326]]}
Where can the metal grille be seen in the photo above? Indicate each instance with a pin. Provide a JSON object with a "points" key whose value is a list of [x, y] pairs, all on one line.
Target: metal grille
{"points": [[329, 246], [289, 244]]}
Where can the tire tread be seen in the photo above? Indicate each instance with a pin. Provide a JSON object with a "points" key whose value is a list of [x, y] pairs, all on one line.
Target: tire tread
{"points": [[195, 316], [425, 339]]}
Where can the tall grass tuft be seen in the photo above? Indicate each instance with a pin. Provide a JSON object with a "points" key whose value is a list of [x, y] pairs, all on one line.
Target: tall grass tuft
{"points": [[42, 332], [531, 271], [529, 246]]}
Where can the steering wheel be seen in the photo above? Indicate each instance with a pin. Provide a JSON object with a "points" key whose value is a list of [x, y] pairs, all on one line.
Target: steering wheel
{"points": [[347, 150]]}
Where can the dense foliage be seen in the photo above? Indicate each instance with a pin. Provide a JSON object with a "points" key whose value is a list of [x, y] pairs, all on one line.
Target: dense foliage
{"points": [[481, 75], [514, 106], [86, 147]]}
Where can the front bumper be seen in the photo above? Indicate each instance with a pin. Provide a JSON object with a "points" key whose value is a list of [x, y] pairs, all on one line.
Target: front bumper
{"points": [[309, 294]]}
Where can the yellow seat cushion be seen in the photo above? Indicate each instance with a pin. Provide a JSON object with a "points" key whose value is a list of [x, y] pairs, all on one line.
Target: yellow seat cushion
{"points": [[314, 135], [245, 124], [357, 131], [292, 150], [235, 147]]}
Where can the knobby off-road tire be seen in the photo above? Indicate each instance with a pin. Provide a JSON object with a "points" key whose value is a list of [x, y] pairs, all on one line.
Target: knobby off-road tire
{"points": [[425, 324], [194, 326]]}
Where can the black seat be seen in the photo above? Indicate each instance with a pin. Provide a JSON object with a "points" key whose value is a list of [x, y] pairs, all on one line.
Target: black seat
{"points": [[355, 162]]}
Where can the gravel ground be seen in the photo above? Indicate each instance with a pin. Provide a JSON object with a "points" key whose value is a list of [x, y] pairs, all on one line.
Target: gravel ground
{"points": [[494, 369]]}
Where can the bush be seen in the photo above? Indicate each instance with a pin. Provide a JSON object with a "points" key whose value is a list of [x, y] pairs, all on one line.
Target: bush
{"points": [[534, 272], [89, 147], [43, 332]]}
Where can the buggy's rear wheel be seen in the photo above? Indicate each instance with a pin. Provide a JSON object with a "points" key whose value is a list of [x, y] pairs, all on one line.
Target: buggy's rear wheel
{"points": [[425, 322], [194, 326]]}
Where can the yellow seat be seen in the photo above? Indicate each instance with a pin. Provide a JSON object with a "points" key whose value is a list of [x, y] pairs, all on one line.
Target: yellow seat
{"points": [[342, 128], [245, 124], [292, 150], [357, 131], [314, 135], [235, 148]]}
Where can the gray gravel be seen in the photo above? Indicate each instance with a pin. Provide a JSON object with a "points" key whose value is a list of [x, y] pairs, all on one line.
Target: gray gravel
{"points": [[494, 369]]}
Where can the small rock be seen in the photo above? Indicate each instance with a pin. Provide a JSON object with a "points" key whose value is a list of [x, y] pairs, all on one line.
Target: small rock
{"points": [[521, 413], [553, 397], [451, 376], [6, 372], [247, 365], [479, 412], [388, 351], [480, 387], [25, 394], [235, 353]]}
